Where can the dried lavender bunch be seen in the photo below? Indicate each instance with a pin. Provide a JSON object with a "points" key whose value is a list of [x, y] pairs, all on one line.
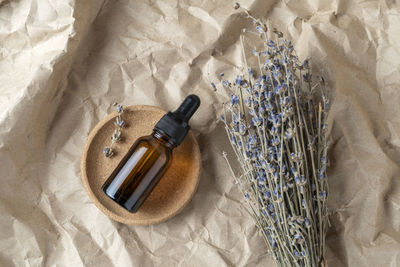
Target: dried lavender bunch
{"points": [[276, 123], [116, 136]]}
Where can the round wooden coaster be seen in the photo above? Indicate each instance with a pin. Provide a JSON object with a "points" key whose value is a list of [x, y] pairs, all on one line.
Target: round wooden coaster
{"points": [[175, 188]]}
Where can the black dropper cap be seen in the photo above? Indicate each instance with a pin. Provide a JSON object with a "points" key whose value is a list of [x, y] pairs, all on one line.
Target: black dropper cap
{"points": [[176, 124]]}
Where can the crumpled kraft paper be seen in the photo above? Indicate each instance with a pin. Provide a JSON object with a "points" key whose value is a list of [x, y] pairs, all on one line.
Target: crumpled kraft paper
{"points": [[62, 64]]}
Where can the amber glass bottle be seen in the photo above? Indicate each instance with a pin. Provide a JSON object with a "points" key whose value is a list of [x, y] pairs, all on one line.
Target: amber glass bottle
{"points": [[147, 160]]}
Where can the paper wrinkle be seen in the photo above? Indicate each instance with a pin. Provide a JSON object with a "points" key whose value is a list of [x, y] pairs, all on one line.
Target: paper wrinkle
{"points": [[63, 63]]}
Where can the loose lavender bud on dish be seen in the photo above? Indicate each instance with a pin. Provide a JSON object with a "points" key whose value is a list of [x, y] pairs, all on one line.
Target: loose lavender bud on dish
{"points": [[108, 152], [116, 136]]}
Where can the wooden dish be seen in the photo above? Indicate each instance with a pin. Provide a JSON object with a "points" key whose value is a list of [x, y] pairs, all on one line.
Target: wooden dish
{"points": [[176, 187]]}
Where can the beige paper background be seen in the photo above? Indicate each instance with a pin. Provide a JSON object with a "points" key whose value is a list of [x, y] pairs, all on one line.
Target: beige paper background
{"points": [[62, 63]]}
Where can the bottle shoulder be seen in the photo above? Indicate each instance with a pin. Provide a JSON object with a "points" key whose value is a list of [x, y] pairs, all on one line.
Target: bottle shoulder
{"points": [[151, 142]]}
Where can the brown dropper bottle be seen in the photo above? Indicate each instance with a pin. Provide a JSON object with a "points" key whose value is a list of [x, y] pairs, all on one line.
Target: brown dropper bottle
{"points": [[147, 160]]}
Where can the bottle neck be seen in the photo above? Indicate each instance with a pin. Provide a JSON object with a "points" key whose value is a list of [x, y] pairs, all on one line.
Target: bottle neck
{"points": [[163, 139]]}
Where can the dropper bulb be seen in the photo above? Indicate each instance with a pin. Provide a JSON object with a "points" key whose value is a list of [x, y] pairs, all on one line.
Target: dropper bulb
{"points": [[188, 107]]}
